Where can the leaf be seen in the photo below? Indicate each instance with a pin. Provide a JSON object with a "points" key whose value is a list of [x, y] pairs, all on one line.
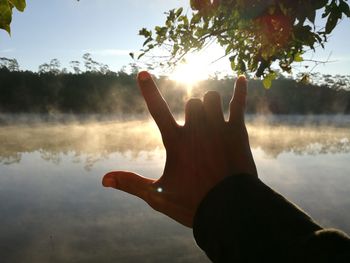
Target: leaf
{"points": [[311, 16], [344, 7], [19, 4], [233, 65], [319, 4], [184, 19], [144, 32], [332, 21], [298, 57], [178, 12], [241, 66], [195, 19], [5, 15], [267, 81], [283, 8], [175, 49], [141, 55], [228, 50], [263, 65], [305, 79], [147, 41]]}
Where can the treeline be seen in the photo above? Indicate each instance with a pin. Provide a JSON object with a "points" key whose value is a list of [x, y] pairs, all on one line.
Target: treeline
{"points": [[117, 93], [287, 96]]}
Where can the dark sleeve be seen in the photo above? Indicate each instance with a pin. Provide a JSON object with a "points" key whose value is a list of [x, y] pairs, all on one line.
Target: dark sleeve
{"points": [[243, 220]]}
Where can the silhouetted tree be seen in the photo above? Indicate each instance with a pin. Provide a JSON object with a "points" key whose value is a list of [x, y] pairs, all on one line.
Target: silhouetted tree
{"points": [[75, 65], [104, 69], [44, 68], [55, 66], [90, 64], [10, 64]]}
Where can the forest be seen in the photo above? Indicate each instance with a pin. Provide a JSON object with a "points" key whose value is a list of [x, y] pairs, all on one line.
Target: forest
{"points": [[96, 89]]}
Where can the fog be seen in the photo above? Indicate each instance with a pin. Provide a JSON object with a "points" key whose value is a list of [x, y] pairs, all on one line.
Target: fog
{"points": [[54, 209], [94, 138]]}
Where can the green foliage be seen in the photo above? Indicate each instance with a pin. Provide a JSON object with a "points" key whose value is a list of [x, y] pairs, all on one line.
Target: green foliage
{"points": [[6, 7], [267, 81], [254, 33]]}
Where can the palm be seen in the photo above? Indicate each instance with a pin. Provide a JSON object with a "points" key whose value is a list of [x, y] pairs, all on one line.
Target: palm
{"points": [[199, 154]]}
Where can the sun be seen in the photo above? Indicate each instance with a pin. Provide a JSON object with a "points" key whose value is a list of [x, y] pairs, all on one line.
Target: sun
{"points": [[191, 72]]}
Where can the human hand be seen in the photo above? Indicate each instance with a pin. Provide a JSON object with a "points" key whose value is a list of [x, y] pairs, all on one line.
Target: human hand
{"points": [[199, 154]]}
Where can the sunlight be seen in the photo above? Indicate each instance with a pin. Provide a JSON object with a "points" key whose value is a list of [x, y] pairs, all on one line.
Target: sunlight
{"points": [[194, 70]]}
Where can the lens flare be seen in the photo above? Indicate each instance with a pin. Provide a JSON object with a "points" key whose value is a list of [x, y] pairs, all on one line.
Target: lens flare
{"points": [[189, 73]]}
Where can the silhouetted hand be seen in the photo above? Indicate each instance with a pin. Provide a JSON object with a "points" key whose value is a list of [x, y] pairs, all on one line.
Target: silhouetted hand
{"points": [[198, 155]]}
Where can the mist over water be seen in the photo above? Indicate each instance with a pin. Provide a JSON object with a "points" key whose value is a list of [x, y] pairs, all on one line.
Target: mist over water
{"points": [[54, 209]]}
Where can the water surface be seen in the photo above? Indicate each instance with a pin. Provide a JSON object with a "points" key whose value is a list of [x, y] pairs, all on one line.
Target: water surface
{"points": [[54, 209]]}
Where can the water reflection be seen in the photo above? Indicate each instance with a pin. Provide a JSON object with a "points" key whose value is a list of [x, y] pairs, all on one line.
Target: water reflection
{"points": [[91, 142], [299, 140], [61, 213], [54, 209], [88, 142]]}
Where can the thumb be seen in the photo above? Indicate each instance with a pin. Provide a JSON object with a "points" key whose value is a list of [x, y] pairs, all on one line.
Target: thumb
{"points": [[238, 102], [129, 182]]}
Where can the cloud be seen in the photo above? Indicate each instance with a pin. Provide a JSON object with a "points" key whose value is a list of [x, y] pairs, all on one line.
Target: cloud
{"points": [[109, 52], [8, 50]]}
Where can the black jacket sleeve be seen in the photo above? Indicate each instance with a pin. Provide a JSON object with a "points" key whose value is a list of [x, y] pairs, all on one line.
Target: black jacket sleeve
{"points": [[243, 220]]}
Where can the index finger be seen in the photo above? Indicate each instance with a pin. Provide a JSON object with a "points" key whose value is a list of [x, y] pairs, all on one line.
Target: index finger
{"points": [[156, 104]]}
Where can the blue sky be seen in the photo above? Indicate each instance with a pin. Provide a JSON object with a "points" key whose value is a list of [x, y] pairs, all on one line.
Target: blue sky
{"points": [[65, 29]]}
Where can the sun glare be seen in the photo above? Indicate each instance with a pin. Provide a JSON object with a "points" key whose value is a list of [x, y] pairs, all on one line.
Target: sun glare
{"points": [[191, 72]]}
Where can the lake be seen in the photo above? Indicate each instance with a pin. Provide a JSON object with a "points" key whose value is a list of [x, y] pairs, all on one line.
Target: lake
{"points": [[54, 209]]}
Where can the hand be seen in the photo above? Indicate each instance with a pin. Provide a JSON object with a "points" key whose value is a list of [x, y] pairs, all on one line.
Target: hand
{"points": [[199, 154]]}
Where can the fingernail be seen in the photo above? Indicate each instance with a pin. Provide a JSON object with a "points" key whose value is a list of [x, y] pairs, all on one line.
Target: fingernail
{"points": [[144, 76], [241, 84], [109, 182], [242, 78]]}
